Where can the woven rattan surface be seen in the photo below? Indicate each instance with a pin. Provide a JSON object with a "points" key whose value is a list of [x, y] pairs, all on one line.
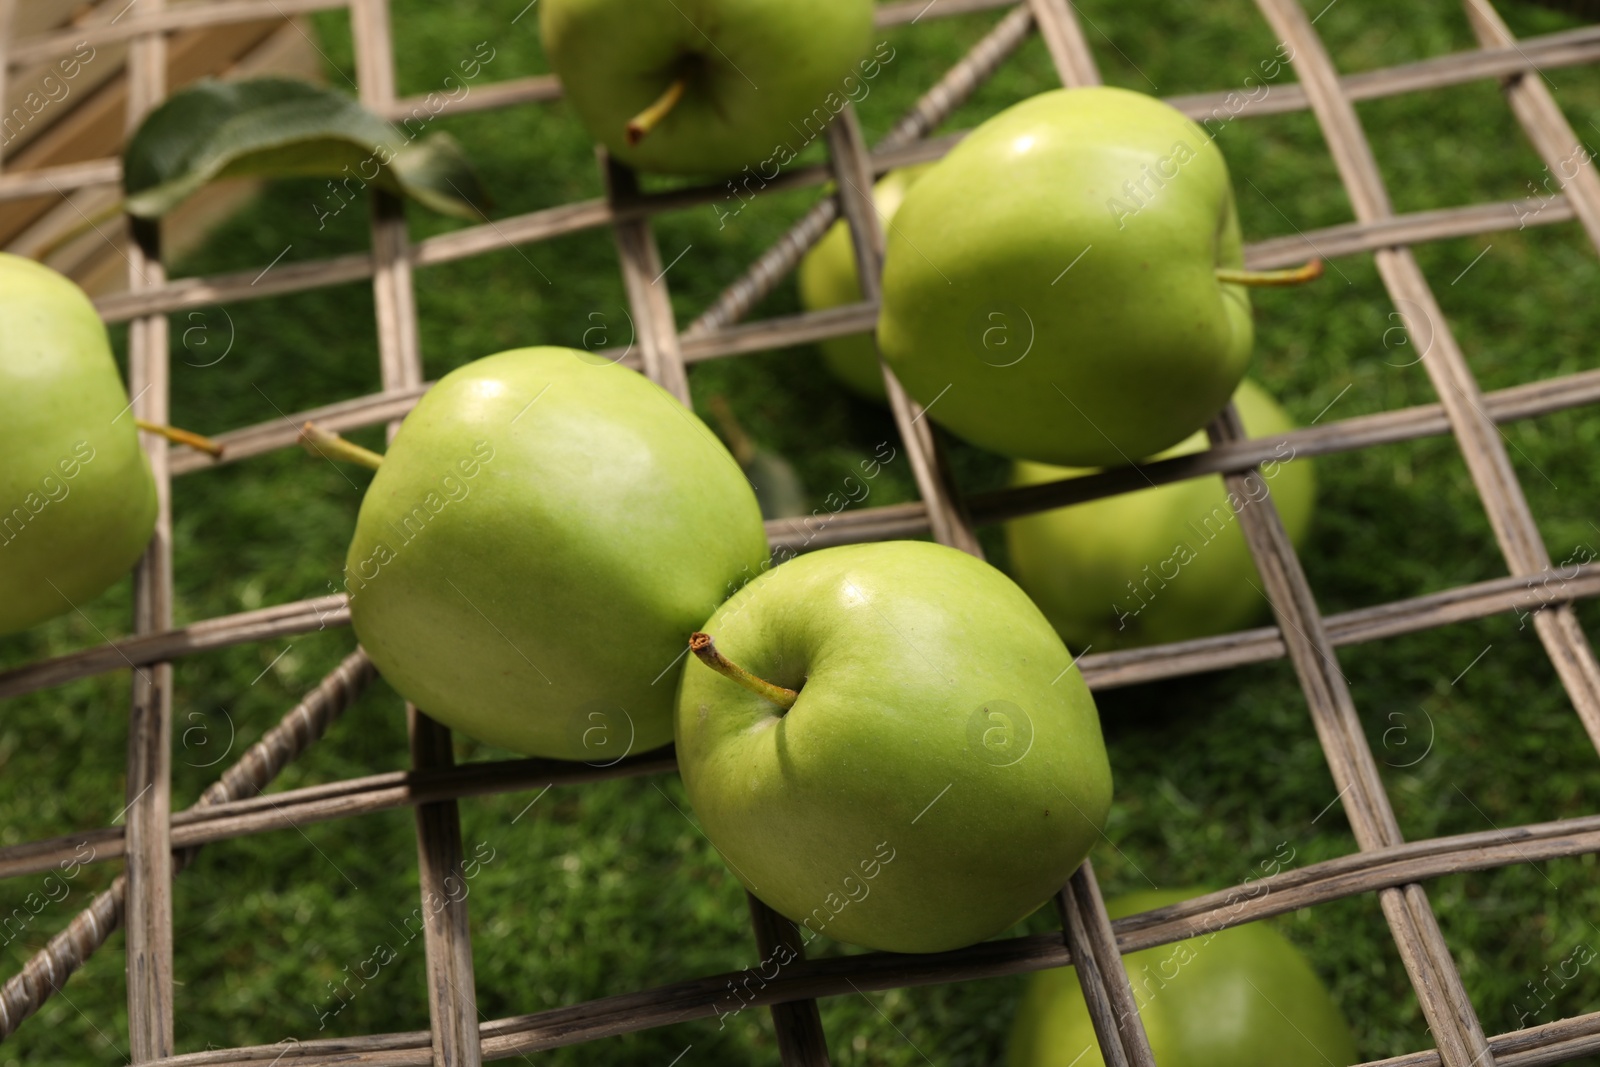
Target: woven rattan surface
{"points": [[157, 843]]}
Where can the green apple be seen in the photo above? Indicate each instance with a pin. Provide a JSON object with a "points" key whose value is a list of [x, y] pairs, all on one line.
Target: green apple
{"points": [[1050, 286], [708, 86], [828, 279], [1240, 997], [1162, 564], [536, 547], [77, 501], [940, 772]]}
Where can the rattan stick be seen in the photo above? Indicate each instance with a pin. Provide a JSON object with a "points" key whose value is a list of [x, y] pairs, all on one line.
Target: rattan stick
{"points": [[7, 10], [1355, 772], [798, 1023], [949, 523], [901, 12], [906, 520], [655, 331], [931, 109], [447, 933], [49, 968], [187, 294], [1064, 39], [536, 88], [452, 994], [282, 620], [1565, 156], [148, 907], [1112, 1008]]}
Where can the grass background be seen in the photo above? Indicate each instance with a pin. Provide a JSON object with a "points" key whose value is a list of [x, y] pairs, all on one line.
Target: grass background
{"points": [[610, 888]]}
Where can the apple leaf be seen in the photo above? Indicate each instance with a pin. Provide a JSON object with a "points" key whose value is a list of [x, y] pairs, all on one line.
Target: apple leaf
{"points": [[280, 127]]}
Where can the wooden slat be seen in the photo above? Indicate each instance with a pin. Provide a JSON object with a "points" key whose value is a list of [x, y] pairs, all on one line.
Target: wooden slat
{"points": [[149, 855], [156, 19]]}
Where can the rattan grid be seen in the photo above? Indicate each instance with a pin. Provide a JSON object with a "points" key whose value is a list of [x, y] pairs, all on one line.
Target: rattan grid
{"points": [[1385, 864]]}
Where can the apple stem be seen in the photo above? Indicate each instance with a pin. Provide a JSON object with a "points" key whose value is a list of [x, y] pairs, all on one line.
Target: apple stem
{"points": [[702, 646], [1261, 279], [646, 120], [320, 442], [181, 437]]}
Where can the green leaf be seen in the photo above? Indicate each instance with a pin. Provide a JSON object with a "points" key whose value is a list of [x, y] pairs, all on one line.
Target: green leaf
{"points": [[279, 127]]}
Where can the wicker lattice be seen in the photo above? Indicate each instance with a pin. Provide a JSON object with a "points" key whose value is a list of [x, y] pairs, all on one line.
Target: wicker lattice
{"points": [[157, 843]]}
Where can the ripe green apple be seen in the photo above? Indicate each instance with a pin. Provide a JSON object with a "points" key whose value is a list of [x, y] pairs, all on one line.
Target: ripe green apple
{"points": [[77, 501], [1163, 564], [1240, 997], [1049, 289], [940, 773], [726, 83], [536, 547], [828, 279]]}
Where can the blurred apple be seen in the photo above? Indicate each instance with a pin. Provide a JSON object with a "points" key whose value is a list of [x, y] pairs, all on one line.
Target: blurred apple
{"points": [[1240, 997], [709, 86], [828, 279], [1162, 564]]}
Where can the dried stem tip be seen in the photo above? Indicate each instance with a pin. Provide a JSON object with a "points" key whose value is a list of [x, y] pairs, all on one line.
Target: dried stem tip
{"points": [[181, 437], [646, 120], [1261, 279], [702, 646], [326, 443]]}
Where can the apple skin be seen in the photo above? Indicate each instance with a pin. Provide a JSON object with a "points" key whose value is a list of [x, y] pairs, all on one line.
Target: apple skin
{"points": [[77, 500], [828, 279], [1076, 562], [1245, 998], [941, 774], [1129, 351], [753, 68], [561, 550]]}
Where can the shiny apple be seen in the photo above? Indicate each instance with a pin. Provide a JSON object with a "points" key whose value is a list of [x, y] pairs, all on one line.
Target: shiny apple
{"points": [[938, 771], [1050, 288], [540, 540]]}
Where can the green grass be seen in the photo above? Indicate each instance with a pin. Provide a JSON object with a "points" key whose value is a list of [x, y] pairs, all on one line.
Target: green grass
{"points": [[608, 888]]}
